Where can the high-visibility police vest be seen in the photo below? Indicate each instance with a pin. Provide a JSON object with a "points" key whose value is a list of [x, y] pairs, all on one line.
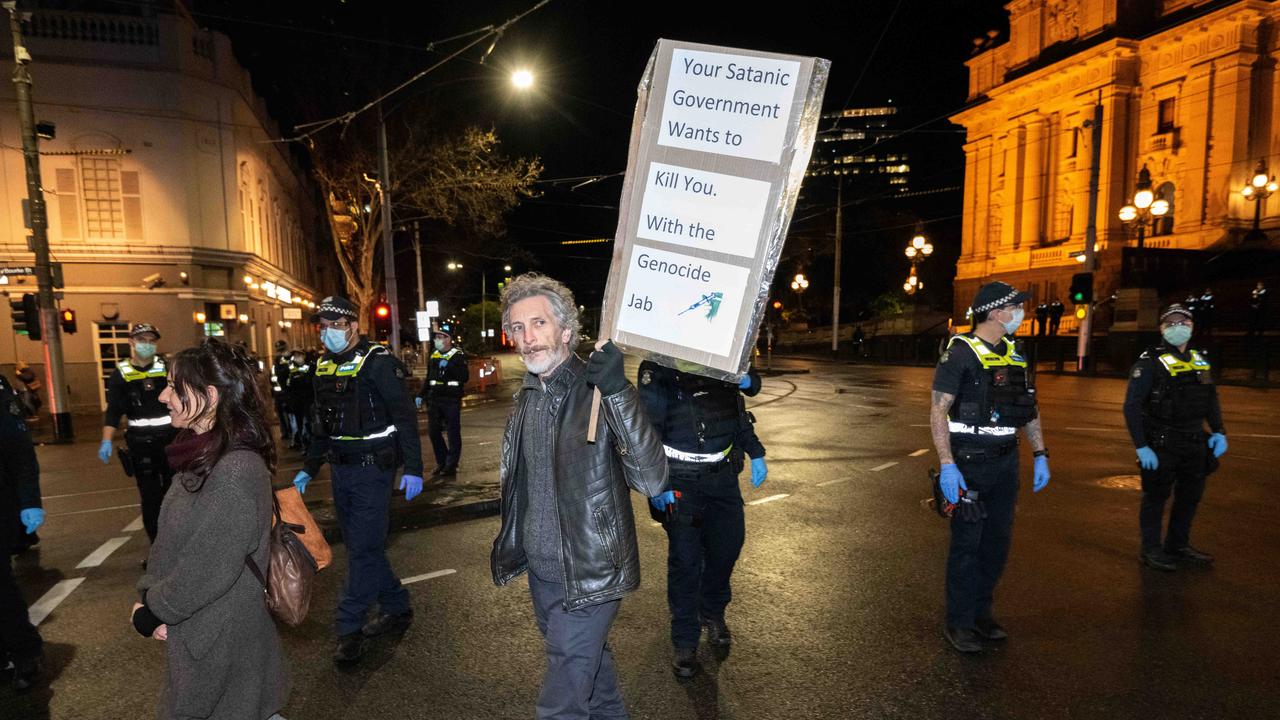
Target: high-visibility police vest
{"points": [[1002, 397], [434, 369], [346, 408], [1183, 394], [703, 417], [144, 388]]}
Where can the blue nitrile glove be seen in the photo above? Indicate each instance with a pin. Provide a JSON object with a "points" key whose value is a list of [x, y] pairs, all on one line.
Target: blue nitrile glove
{"points": [[300, 481], [32, 518], [1040, 477], [104, 452], [660, 502], [1147, 459], [411, 485], [1218, 444], [951, 481], [417, 401], [745, 382], [759, 471]]}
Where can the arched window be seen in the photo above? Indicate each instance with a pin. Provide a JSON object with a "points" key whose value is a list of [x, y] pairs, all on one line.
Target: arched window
{"points": [[1164, 225], [1063, 212]]}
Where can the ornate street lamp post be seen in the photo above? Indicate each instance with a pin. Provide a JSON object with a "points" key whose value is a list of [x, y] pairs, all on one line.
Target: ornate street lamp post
{"points": [[917, 251], [1144, 207], [1257, 190]]}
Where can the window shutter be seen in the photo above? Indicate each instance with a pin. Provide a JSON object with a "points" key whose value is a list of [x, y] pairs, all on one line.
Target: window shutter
{"points": [[130, 192], [68, 204]]}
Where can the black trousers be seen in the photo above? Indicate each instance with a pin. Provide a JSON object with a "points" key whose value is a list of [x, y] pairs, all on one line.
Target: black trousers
{"points": [[1181, 472], [703, 545], [979, 548], [445, 416], [151, 472]]}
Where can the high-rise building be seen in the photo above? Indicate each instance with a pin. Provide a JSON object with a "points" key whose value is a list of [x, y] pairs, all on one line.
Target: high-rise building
{"points": [[859, 145]]}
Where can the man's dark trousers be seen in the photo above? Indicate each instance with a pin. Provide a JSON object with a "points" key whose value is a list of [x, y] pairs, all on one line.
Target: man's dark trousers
{"points": [[362, 496], [151, 472], [703, 544], [445, 415], [1181, 472], [980, 548], [19, 639], [581, 681]]}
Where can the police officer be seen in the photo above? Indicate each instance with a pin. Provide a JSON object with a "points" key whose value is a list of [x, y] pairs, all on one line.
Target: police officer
{"points": [[983, 392], [1171, 397], [447, 376], [300, 395], [365, 428], [20, 642], [706, 431], [1055, 316], [133, 391], [1042, 319], [279, 379]]}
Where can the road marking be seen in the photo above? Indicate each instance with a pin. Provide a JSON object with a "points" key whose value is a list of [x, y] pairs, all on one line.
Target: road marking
{"points": [[134, 526], [918, 426], [825, 483], [103, 552], [771, 498], [486, 442], [1255, 435], [1096, 428], [45, 605], [885, 466], [428, 576], [82, 512], [88, 492], [918, 453]]}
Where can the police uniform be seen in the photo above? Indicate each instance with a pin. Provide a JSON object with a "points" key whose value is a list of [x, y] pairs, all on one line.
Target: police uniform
{"points": [[365, 427], [705, 431], [20, 642], [279, 380], [994, 396], [447, 376], [299, 392], [134, 392], [1170, 399]]}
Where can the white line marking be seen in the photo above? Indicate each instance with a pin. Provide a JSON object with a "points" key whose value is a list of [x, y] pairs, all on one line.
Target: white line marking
{"points": [[134, 526], [1096, 428], [917, 426], [656, 524], [103, 552], [825, 483], [771, 498], [428, 576], [82, 512], [885, 466], [89, 492], [1256, 435], [918, 453], [45, 605]]}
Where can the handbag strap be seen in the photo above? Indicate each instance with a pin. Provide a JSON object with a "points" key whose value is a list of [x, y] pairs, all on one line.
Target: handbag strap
{"points": [[248, 559]]}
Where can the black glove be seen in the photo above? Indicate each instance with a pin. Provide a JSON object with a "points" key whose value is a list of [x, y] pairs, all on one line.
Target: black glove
{"points": [[604, 370]]}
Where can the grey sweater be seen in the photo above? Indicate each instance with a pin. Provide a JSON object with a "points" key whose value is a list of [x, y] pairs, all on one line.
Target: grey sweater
{"points": [[541, 536]]}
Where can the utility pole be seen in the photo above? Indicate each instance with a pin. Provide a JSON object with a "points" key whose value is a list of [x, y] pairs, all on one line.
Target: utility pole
{"points": [[417, 254], [1091, 230], [55, 378], [835, 293], [388, 248]]}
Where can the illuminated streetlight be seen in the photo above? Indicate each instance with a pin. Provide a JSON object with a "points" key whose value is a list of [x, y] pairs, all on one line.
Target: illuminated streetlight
{"points": [[1257, 190], [522, 79], [1144, 207], [916, 251]]}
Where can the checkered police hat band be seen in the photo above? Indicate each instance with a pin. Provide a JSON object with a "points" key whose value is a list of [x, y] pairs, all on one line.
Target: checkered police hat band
{"points": [[1013, 293], [327, 308]]}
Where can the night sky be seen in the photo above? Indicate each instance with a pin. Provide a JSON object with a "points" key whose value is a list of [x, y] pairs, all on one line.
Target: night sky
{"points": [[320, 57]]}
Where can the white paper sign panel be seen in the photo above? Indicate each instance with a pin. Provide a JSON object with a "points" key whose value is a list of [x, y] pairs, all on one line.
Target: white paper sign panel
{"points": [[728, 104], [682, 299], [703, 209]]}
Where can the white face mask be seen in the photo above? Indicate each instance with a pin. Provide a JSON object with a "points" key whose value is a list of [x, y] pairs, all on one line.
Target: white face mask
{"points": [[1015, 321], [438, 344]]}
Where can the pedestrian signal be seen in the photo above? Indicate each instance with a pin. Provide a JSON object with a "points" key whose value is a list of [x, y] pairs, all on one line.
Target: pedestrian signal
{"points": [[68, 318], [1081, 291]]}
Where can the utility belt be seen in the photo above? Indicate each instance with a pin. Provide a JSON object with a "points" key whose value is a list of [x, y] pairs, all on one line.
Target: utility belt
{"points": [[978, 453], [959, 428], [1159, 436], [384, 455], [697, 458]]}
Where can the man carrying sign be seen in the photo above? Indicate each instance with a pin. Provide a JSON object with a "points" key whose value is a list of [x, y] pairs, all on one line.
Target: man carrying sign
{"points": [[566, 514]]}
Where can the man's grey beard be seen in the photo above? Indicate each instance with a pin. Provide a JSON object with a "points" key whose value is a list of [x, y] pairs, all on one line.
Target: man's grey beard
{"points": [[551, 361]]}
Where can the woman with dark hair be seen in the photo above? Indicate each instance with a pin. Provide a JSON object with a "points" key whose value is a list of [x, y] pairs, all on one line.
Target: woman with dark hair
{"points": [[225, 658]]}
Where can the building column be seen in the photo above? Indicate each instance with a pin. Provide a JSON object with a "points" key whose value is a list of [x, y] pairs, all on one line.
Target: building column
{"points": [[1228, 162], [1010, 210], [1033, 182]]}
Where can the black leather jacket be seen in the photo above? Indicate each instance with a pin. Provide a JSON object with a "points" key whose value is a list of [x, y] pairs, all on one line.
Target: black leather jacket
{"points": [[597, 528]]}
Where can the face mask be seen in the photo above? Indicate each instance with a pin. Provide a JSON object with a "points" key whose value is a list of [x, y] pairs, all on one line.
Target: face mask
{"points": [[1176, 335], [144, 350], [1012, 326], [438, 345], [334, 340]]}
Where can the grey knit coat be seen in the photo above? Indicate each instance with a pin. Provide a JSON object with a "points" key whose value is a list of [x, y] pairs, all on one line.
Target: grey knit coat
{"points": [[225, 657]]}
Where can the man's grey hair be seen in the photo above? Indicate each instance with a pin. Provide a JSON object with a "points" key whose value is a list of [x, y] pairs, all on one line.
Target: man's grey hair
{"points": [[560, 297]]}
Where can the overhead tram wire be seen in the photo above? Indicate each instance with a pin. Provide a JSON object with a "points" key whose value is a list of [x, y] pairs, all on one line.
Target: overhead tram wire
{"points": [[867, 64]]}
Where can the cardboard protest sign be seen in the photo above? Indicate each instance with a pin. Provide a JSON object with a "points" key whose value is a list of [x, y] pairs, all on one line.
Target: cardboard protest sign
{"points": [[719, 146]]}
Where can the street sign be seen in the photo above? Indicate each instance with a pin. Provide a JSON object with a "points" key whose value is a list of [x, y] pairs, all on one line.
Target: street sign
{"points": [[17, 270], [422, 319], [433, 308], [719, 146]]}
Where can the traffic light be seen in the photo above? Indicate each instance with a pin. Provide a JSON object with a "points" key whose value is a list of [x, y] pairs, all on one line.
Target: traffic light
{"points": [[68, 318], [1081, 291], [26, 316], [382, 321]]}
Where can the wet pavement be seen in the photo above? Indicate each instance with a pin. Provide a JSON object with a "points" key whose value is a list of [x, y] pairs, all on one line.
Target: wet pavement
{"points": [[837, 596]]}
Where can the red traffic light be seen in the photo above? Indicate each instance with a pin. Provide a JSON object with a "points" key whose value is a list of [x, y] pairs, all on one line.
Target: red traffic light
{"points": [[777, 304], [382, 310]]}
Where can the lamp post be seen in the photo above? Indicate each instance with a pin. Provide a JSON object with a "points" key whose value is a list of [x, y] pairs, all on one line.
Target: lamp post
{"points": [[1257, 190], [484, 320], [917, 251], [1144, 207], [799, 284]]}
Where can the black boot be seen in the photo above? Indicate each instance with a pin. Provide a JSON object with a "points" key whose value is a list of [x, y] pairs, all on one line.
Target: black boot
{"points": [[26, 673], [717, 632], [1159, 559], [350, 648], [685, 662], [1191, 554], [989, 629], [384, 623], [963, 639]]}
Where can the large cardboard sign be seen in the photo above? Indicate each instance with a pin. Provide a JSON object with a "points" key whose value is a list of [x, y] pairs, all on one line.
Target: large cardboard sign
{"points": [[719, 145]]}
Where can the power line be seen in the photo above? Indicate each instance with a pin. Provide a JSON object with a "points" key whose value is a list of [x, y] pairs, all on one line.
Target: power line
{"points": [[870, 57]]}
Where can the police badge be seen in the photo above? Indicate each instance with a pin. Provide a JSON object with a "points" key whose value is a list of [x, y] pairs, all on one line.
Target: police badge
{"points": [[646, 377]]}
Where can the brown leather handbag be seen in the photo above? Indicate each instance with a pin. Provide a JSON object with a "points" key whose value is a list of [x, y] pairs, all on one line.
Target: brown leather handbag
{"points": [[290, 573], [294, 511]]}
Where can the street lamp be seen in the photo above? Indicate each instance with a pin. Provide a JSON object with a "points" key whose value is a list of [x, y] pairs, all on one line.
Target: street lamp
{"points": [[1257, 190], [522, 79], [484, 319], [917, 252], [1144, 207], [799, 284]]}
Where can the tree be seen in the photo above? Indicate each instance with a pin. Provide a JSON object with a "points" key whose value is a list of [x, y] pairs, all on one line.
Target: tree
{"points": [[461, 180], [471, 340]]}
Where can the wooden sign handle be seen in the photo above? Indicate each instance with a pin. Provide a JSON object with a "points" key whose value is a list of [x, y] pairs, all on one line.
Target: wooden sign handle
{"points": [[594, 422]]}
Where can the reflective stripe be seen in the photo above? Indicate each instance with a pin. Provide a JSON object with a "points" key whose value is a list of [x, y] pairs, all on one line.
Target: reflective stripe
{"points": [[389, 430], [1174, 366], [437, 356], [675, 454], [131, 373], [349, 368], [986, 357], [451, 383], [150, 422], [959, 427]]}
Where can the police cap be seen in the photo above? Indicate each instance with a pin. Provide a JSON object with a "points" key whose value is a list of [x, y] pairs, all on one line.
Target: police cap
{"points": [[1175, 309], [143, 329], [445, 329], [335, 307], [996, 295]]}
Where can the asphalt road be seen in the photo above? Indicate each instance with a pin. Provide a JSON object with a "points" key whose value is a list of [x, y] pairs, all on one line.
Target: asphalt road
{"points": [[838, 595]]}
